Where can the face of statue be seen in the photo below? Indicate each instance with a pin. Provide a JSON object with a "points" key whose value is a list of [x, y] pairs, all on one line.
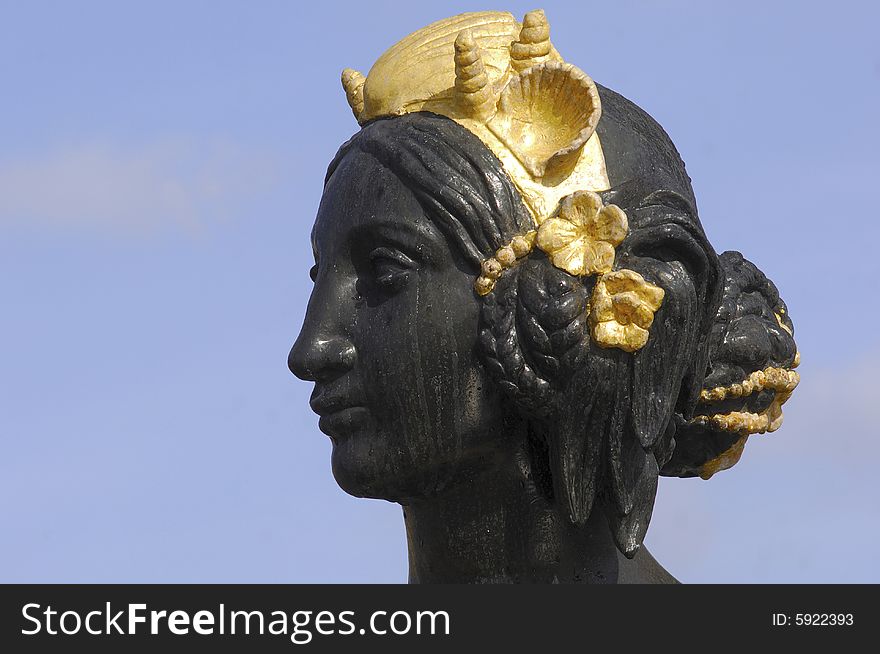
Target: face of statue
{"points": [[389, 339]]}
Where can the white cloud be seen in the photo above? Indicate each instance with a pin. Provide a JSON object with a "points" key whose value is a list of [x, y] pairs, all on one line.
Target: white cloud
{"points": [[106, 186]]}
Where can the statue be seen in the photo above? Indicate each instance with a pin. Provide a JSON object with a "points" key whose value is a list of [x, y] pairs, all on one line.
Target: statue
{"points": [[517, 322]]}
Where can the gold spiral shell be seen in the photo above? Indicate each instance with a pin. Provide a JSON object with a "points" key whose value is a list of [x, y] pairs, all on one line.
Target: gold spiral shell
{"points": [[353, 83], [472, 90], [533, 46]]}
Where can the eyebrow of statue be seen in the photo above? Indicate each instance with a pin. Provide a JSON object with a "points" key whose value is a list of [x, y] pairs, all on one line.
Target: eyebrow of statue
{"points": [[418, 238]]}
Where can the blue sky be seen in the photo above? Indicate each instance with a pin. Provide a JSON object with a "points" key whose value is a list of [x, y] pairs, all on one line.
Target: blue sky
{"points": [[160, 167]]}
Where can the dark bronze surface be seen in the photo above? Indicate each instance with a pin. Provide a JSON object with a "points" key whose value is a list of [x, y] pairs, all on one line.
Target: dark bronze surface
{"points": [[520, 450]]}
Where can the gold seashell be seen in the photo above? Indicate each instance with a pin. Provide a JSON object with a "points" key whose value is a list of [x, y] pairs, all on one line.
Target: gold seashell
{"points": [[533, 46], [546, 114], [353, 83], [473, 94]]}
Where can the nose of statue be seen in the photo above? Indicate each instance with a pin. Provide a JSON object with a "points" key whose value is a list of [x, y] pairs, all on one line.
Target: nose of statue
{"points": [[320, 357]]}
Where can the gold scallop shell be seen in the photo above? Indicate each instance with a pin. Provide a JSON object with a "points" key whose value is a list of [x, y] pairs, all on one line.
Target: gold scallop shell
{"points": [[546, 114]]}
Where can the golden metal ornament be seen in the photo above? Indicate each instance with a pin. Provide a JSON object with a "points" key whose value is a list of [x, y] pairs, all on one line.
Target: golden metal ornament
{"points": [[506, 83], [353, 83], [622, 310], [747, 422], [725, 460], [505, 257], [780, 380], [776, 379], [581, 238]]}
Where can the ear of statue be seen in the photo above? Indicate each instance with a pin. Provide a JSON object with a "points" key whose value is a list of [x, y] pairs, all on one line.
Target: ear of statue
{"points": [[664, 375]]}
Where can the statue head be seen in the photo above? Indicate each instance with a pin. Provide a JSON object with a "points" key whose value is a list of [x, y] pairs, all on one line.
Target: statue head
{"points": [[511, 279]]}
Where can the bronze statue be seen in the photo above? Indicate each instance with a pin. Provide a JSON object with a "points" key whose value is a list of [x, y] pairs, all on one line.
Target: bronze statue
{"points": [[517, 322]]}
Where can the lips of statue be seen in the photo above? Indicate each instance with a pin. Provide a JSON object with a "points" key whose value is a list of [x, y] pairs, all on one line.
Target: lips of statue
{"points": [[389, 339]]}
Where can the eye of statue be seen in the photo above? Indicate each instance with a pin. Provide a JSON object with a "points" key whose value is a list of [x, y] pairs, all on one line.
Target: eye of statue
{"points": [[390, 268]]}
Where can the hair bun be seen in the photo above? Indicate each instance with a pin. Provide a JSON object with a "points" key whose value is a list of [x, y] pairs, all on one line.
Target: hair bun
{"points": [[750, 373]]}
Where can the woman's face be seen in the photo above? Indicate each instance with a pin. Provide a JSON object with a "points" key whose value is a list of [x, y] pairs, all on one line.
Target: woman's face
{"points": [[389, 338]]}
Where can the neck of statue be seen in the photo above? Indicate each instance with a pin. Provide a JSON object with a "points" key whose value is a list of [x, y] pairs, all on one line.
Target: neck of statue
{"points": [[494, 527]]}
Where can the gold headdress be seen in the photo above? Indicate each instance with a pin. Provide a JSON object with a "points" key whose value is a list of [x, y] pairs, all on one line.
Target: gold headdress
{"points": [[505, 82]]}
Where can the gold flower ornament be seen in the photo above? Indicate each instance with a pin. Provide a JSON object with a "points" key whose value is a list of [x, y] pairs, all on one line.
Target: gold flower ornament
{"points": [[623, 307], [581, 238]]}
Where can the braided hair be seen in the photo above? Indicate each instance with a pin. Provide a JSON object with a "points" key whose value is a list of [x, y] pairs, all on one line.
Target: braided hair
{"points": [[618, 419]]}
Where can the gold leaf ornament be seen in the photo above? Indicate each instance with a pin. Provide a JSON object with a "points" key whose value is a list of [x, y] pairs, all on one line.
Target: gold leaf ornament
{"points": [[622, 310], [581, 238]]}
